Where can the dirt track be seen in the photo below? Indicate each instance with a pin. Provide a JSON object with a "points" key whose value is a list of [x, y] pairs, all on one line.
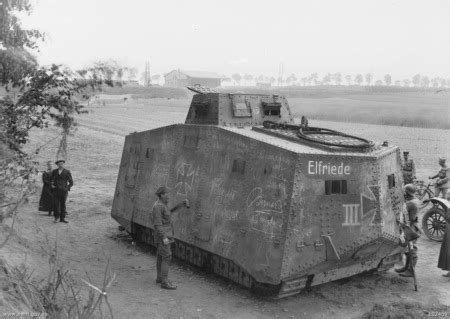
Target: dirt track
{"points": [[92, 236]]}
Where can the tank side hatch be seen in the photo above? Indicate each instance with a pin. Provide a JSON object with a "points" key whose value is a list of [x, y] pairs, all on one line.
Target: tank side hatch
{"points": [[239, 110]]}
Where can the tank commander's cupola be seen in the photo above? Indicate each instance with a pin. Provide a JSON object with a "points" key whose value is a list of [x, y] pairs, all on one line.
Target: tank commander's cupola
{"points": [[238, 110]]}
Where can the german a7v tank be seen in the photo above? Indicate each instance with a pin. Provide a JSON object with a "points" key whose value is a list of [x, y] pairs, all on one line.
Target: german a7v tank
{"points": [[274, 206]]}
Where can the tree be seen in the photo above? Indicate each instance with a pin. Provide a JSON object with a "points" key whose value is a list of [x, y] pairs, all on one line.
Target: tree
{"points": [[304, 80], [280, 81], [248, 78], [378, 83], [337, 78], [348, 78], [36, 96], [369, 78], [15, 65], [260, 78], [237, 78], [131, 74], [416, 80], [313, 78], [388, 79], [406, 82], [358, 79], [291, 79], [425, 81], [435, 82], [272, 80], [156, 77], [15, 41], [326, 79], [398, 83]]}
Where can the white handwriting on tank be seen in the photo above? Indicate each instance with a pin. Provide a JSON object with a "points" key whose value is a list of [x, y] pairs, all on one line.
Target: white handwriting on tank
{"points": [[185, 178], [255, 198], [222, 196], [321, 168], [266, 222], [161, 173]]}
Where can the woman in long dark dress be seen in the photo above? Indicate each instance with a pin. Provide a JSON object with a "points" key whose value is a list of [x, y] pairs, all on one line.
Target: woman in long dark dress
{"points": [[46, 201], [444, 254]]}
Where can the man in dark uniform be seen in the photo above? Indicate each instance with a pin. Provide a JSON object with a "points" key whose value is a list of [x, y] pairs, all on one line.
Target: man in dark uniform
{"points": [[61, 183], [164, 235], [408, 169], [410, 235]]}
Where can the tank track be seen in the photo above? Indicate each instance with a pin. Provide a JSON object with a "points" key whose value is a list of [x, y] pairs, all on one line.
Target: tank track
{"points": [[208, 262]]}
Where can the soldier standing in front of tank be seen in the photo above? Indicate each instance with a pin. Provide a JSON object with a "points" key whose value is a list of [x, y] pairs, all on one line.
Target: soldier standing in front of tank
{"points": [[412, 209], [408, 169], [442, 179], [164, 235]]}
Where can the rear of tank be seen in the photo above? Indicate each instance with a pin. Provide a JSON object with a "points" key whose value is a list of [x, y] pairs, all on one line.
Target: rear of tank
{"points": [[343, 219]]}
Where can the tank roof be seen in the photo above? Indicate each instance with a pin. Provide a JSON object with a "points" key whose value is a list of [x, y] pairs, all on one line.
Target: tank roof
{"points": [[301, 147]]}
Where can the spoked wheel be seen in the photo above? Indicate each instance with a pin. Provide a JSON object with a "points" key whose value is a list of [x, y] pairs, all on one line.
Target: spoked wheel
{"points": [[422, 193], [434, 224]]}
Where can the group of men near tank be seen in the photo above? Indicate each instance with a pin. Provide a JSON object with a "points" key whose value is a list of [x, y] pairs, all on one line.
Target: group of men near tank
{"points": [[409, 223], [57, 184]]}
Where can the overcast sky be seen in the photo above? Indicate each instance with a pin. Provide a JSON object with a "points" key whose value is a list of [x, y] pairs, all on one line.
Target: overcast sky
{"points": [[400, 37]]}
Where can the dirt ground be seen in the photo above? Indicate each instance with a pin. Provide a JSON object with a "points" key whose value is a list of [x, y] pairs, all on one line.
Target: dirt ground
{"points": [[92, 236]]}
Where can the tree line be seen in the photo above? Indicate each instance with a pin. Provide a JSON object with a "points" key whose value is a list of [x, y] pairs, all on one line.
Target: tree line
{"points": [[313, 79]]}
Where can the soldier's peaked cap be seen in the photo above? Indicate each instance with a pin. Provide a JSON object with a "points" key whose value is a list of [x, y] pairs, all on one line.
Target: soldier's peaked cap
{"points": [[442, 159], [405, 153], [59, 161], [161, 190]]}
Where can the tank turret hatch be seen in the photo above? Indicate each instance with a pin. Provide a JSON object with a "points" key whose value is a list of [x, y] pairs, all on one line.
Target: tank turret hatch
{"points": [[239, 110]]}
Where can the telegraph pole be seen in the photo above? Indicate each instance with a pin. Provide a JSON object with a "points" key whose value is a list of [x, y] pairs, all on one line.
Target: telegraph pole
{"points": [[280, 73], [147, 78]]}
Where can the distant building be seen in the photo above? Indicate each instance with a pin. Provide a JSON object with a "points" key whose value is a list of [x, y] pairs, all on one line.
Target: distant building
{"points": [[179, 78]]}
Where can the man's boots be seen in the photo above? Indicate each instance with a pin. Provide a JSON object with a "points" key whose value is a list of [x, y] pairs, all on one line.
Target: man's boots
{"points": [[406, 265], [411, 267]]}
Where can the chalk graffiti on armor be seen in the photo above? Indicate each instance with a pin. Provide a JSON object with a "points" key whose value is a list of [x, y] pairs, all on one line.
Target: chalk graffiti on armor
{"points": [[256, 199], [161, 173], [321, 168], [185, 178], [267, 222], [221, 195]]}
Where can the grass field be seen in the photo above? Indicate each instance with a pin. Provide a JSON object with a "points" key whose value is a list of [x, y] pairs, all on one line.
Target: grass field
{"points": [[410, 108]]}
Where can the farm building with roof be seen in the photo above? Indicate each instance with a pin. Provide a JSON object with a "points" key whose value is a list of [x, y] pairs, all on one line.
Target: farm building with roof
{"points": [[180, 78]]}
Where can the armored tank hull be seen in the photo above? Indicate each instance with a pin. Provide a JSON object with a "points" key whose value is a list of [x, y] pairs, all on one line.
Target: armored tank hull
{"points": [[268, 210]]}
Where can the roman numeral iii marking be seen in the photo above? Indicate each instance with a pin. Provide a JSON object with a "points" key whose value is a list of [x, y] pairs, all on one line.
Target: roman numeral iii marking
{"points": [[351, 215]]}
